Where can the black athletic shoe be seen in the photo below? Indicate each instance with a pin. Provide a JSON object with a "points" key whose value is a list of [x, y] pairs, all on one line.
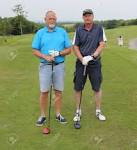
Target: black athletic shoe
{"points": [[61, 119], [41, 121]]}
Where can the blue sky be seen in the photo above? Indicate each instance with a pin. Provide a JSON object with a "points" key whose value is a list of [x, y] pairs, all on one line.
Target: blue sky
{"points": [[71, 10]]}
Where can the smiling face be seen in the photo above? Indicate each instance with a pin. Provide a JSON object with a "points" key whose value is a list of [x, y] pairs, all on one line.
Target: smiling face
{"points": [[88, 18], [50, 19]]}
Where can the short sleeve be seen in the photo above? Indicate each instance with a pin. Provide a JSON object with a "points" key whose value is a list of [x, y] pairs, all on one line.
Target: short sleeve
{"points": [[36, 41], [101, 34], [76, 39], [104, 36]]}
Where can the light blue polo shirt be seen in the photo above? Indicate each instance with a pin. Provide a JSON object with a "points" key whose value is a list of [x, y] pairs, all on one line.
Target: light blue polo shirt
{"points": [[44, 41]]}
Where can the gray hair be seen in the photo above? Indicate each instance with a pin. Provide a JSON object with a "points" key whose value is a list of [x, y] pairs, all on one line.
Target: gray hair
{"points": [[50, 11]]}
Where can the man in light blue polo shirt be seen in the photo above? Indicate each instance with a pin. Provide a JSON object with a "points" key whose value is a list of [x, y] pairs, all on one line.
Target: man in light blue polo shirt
{"points": [[51, 44]]}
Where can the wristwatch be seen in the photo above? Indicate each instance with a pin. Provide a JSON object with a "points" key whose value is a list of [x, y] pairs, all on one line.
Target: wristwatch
{"points": [[59, 53]]}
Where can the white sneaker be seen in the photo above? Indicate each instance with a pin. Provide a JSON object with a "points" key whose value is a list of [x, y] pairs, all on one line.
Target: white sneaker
{"points": [[77, 115], [100, 116], [78, 111]]}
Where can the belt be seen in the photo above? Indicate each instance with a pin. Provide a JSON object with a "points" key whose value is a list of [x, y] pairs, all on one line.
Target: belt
{"points": [[54, 63]]}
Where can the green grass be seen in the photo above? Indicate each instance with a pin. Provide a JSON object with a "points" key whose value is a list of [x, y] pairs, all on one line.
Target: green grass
{"points": [[19, 100]]}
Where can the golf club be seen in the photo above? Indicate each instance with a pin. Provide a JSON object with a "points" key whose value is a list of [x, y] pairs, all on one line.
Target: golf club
{"points": [[77, 123], [47, 129]]}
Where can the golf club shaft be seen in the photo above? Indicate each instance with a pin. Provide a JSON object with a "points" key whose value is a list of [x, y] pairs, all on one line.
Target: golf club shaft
{"points": [[84, 73], [50, 98]]}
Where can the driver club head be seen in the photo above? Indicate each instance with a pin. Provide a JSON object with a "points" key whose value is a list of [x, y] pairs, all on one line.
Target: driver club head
{"points": [[77, 125], [46, 131]]}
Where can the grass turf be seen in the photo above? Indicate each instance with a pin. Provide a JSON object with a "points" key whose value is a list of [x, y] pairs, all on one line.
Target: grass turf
{"points": [[19, 100]]}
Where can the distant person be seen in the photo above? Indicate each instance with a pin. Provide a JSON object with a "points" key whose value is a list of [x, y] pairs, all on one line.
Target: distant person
{"points": [[51, 44], [88, 44], [120, 40]]}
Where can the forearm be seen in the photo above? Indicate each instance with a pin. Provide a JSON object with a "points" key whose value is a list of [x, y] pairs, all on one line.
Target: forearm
{"points": [[77, 52], [38, 54], [99, 49], [66, 51]]}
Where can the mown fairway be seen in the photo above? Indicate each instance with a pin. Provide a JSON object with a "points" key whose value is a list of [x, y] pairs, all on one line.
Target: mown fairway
{"points": [[19, 100]]}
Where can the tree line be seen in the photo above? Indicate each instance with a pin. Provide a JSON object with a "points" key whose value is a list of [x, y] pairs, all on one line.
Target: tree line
{"points": [[19, 24], [108, 24], [11, 26]]}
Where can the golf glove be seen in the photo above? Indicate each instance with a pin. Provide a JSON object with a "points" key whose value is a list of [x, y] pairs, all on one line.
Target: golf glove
{"points": [[54, 53], [86, 59]]}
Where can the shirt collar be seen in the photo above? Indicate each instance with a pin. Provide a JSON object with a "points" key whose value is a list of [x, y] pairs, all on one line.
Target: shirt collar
{"points": [[54, 30], [83, 27]]}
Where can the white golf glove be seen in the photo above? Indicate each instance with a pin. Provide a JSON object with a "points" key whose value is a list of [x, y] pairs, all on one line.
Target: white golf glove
{"points": [[54, 53], [86, 59]]}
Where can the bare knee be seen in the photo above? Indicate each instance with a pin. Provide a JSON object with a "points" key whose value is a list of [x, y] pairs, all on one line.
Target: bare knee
{"points": [[58, 94], [98, 92], [44, 93]]}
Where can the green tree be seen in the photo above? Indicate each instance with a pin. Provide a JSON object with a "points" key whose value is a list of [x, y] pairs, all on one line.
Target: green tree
{"points": [[19, 11]]}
